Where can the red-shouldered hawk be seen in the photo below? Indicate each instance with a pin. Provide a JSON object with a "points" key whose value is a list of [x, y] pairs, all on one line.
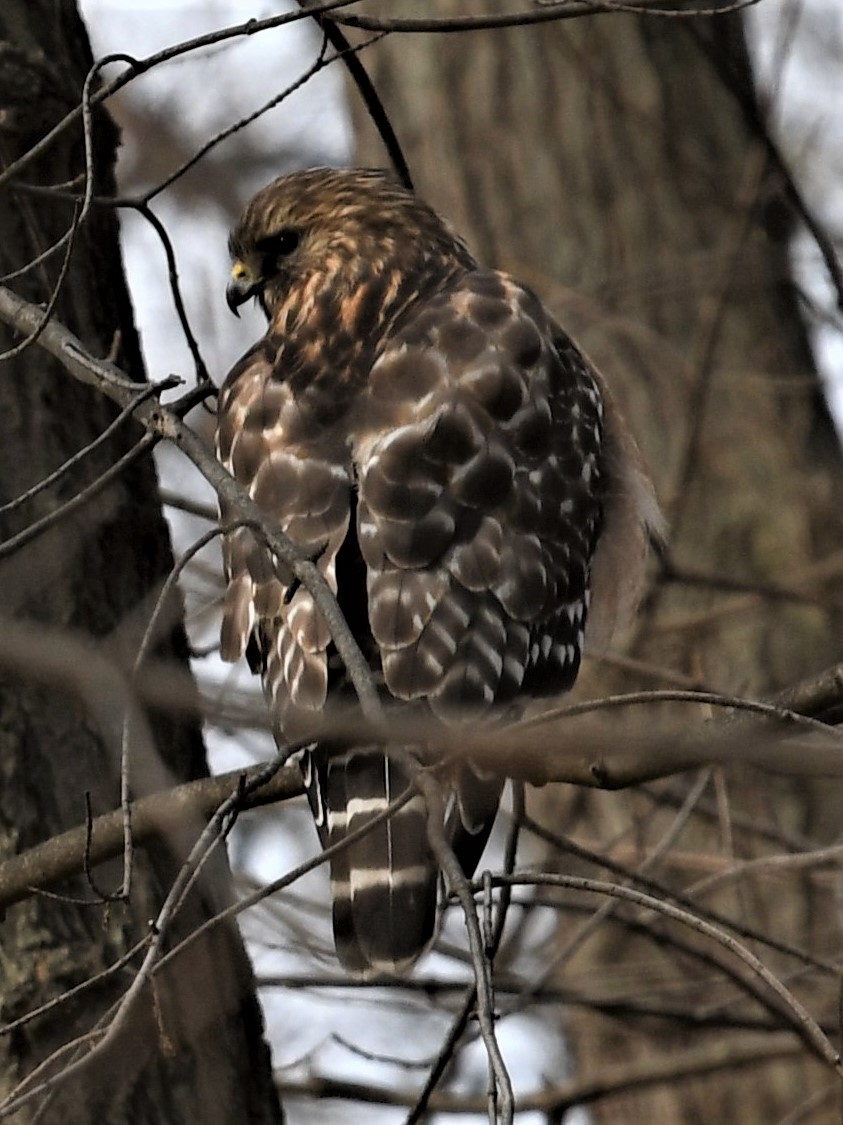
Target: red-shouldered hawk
{"points": [[425, 431]]}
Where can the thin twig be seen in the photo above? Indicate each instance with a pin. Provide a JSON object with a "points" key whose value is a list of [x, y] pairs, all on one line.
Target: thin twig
{"points": [[64, 855], [826, 966], [630, 1007], [366, 89], [12, 545], [77, 990], [801, 1020], [833, 854], [458, 884], [547, 13], [557, 1098], [147, 640], [27, 342], [606, 909], [741, 88], [202, 377], [319, 64], [289, 878], [421, 1102], [76, 458], [136, 67]]}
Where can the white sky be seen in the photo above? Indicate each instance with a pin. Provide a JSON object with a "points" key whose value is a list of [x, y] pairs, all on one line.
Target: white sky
{"points": [[798, 51]]}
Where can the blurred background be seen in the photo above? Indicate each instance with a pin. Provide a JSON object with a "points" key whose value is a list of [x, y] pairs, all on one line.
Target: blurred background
{"points": [[672, 189]]}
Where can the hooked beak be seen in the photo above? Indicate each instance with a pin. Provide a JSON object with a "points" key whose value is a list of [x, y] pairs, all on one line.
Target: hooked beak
{"points": [[241, 287]]}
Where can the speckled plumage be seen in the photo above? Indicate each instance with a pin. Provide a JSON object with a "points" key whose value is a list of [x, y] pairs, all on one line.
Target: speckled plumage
{"points": [[427, 433]]}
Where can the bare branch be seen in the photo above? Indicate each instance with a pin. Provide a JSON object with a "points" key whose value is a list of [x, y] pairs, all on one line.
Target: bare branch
{"points": [[612, 1080], [500, 1091], [366, 89], [152, 817], [136, 67], [73, 461], [547, 13], [801, 1020]]}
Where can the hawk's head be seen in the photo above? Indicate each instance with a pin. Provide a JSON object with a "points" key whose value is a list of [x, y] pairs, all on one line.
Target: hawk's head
{"points": [[325, 225]]}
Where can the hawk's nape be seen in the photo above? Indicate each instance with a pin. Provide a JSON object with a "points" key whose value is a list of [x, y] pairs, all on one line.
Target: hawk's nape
{"points": [[425, 431]]}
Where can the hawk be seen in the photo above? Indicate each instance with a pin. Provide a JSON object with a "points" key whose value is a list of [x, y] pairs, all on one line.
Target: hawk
{"points": [[424, 431]]}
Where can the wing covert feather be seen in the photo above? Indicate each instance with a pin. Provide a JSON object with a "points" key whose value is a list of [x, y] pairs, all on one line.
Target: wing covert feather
{"points": [[476, 448], [298, 472]]}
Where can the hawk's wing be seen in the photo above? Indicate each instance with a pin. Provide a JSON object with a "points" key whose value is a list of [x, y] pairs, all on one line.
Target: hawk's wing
{"points": [[476, 451], [298, 472], [477, 455]]}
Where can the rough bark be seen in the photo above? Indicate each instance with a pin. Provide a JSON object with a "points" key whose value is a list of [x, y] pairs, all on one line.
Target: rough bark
{"points": [[195, 1050], [613, 164]]}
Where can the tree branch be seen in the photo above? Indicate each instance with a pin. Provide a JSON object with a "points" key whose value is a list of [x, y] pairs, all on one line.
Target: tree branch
{"points": [[612, 1080], [781, 999], [547, 13], [152, 817]]}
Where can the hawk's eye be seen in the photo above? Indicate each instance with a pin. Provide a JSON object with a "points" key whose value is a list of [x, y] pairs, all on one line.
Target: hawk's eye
{"points": [[278, 245]]}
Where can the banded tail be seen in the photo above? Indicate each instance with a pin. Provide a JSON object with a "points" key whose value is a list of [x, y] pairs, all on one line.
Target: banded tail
{"points": [[385, 885]]}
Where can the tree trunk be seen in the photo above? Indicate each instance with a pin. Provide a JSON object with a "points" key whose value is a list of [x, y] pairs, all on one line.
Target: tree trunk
{"points": [[193, 1051], [613, 163]]}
